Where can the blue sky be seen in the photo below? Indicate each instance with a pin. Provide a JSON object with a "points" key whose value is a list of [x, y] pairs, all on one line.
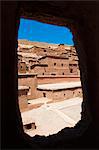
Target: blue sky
{"points": [[36, 31]]}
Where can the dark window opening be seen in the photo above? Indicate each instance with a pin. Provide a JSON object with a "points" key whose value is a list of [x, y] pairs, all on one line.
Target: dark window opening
{"points": [[75, 65], [58, 74], [44, 94], [53, 74], [71, 70]]}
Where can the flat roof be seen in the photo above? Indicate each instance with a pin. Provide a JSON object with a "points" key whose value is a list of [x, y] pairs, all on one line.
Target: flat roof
{"points": [[54, 56], [59, 86], [26, 74], [23, 87], [59, 76]]}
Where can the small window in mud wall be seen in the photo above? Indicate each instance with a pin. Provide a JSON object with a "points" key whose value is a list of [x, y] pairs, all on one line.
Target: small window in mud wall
{"points": [[44, 50], [29, 93], [53, 74], [44, 94], [71, 70], [54, 64]]}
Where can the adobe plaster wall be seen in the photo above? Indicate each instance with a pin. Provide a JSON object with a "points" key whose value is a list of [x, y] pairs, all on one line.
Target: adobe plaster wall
{"points": [[60, 95], [31, 82], [43, 80], [22, 99]]}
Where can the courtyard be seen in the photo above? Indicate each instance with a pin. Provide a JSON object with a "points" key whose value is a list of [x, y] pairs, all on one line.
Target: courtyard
{"points": [[53, 117]]}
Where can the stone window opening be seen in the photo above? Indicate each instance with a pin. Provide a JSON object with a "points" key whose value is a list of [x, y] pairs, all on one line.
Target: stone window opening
{"points": [[61, 64], [71, 70]]}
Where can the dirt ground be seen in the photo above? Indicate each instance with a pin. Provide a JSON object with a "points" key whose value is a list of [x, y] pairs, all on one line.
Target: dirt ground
{"points": [[51, 118]]}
